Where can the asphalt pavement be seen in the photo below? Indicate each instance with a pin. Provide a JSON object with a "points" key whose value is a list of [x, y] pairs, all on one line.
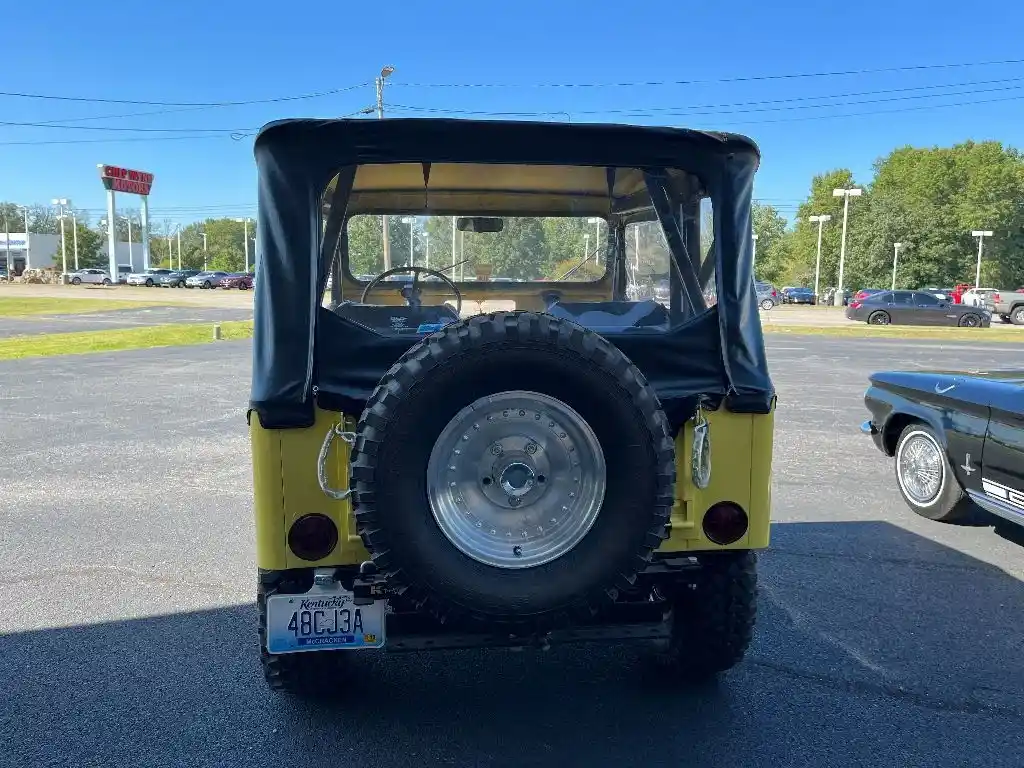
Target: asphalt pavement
{"points": [[28, 325], [128, 625]]}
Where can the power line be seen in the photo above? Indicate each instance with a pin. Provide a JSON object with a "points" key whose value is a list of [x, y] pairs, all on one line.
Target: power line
{"points": [[718, 109], [97, 100], [740, 79]]}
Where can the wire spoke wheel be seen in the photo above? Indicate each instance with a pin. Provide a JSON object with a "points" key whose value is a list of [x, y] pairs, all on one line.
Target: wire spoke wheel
{"points": [[516, 479], [920, 469]]}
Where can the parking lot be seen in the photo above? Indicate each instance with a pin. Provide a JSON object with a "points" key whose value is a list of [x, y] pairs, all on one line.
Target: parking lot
{"points": [[127, 587]]}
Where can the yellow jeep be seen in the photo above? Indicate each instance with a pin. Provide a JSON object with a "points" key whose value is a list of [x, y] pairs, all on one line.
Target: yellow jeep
{"points": [[533, 406]]}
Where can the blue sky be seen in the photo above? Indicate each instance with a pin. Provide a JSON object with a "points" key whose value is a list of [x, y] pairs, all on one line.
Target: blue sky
{"points": [[191, 51]]}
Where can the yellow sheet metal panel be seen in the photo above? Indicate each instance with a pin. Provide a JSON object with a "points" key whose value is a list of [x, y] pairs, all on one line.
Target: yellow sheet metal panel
{"points": [[741, 449], [268, 497], [286, 486]]}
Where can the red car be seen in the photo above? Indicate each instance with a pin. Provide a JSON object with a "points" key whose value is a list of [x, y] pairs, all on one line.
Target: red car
{"points": [[242, 282]]}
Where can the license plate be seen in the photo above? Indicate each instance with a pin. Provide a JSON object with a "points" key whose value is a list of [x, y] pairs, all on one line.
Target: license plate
{"points": [[323, 621]]}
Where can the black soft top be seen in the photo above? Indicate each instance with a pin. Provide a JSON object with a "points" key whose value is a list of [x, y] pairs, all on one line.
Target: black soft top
{"points": [[299, 346]]}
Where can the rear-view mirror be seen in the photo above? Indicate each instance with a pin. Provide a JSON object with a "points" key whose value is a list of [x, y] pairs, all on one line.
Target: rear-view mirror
{"points": [[479, 224]]}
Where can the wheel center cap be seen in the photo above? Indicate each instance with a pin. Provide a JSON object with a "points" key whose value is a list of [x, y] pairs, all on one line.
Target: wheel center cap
{"points": [[517, 479]]}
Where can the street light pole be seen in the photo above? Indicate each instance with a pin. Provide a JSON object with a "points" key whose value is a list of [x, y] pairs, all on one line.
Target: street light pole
{"points": [[28, 241], [205, 252], [820, 219], [411, 221], [60, 203], [179, 246], [753, 253], [981, 234], [170, 255], [895, 259], [74, 232], [846, 194], [245, 236]]}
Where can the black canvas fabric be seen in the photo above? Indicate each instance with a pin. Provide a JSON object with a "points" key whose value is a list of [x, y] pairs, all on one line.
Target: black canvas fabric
{"points": [[302, 351]]}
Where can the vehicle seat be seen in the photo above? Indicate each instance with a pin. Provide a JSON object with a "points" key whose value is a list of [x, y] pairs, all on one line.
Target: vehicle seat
{"points": [[611, 316]]}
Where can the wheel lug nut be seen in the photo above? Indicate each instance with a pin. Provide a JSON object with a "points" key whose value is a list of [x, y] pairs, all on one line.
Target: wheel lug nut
{"points": [[496, 449], [531, 448]]}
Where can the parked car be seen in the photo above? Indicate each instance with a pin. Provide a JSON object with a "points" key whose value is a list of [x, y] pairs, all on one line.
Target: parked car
{"points": [[242, 281], [89, 276], [1008, 306], [147, 277], [209, 279], [767, 295], [176, 278], [976, 297], [956, 439], [800, 296], [915, 308]]}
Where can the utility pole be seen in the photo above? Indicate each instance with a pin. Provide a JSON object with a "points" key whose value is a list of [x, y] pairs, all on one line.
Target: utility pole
{"points": [[846, 194], [170, 255], [753, 252], [981, 234], [385, 73], [820, 219], [179, 247]]}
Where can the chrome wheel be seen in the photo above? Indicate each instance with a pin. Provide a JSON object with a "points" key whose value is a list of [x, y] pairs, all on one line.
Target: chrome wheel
{"points": [[919, 468], [516, 479]]}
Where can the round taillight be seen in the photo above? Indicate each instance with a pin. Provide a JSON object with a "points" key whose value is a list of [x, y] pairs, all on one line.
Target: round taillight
{"points": [[313, 537], [725, 523]]}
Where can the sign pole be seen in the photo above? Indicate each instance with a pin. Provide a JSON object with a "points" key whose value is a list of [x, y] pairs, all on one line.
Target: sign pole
{"points": [[145, 231], [111, 237]]}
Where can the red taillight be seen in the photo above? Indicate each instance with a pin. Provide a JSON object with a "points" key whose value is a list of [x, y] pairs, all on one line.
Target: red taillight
{"points": [[774, 295], [996, 298], [854, 304], [313, 537], [725, 523]]}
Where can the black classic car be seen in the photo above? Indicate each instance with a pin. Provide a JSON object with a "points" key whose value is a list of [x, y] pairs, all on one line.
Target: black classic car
{"points": [[957, 440]]}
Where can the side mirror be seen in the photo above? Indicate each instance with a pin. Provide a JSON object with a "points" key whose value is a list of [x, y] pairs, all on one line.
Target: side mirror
{"points": [[479, 224]]}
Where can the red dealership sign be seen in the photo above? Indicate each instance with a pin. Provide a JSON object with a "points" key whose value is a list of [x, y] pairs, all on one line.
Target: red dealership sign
{"points": [[126, 180]]}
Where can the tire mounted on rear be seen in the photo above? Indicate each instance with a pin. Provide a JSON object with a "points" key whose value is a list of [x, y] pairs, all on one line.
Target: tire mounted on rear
{"points": [[467, 363]]}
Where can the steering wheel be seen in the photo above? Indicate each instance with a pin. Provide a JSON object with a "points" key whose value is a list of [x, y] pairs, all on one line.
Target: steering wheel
{"points": [[411, 293]]}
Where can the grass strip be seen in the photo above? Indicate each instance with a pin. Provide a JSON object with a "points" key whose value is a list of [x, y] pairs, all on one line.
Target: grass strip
{"points": [[116, 340], [865, 331], [22, 307]]}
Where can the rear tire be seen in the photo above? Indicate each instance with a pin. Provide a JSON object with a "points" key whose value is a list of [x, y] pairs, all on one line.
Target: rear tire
{"points": [[310, 673], [1017, 315], [713, 619], [149, 282], [106, 281], [767, 304], [879, 318], [919, 456]]}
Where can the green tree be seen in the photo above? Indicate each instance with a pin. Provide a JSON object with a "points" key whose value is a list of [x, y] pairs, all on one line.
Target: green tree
{"points": [[802, 247], [773, 242]]}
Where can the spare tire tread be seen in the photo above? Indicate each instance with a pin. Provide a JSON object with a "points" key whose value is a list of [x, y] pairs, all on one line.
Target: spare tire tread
{"points": [[445, 347]]}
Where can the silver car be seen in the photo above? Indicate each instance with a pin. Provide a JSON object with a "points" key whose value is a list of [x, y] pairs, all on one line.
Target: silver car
{"points": [[90, 275], [210, 279], [767, 295], [147, 277]]}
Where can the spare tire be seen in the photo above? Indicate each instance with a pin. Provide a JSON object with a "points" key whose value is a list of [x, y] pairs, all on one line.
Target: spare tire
{"points": [[512, 469]]}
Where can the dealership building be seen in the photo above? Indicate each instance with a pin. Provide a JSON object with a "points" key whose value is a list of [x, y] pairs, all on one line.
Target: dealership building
{"points": [[34, 251]]}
